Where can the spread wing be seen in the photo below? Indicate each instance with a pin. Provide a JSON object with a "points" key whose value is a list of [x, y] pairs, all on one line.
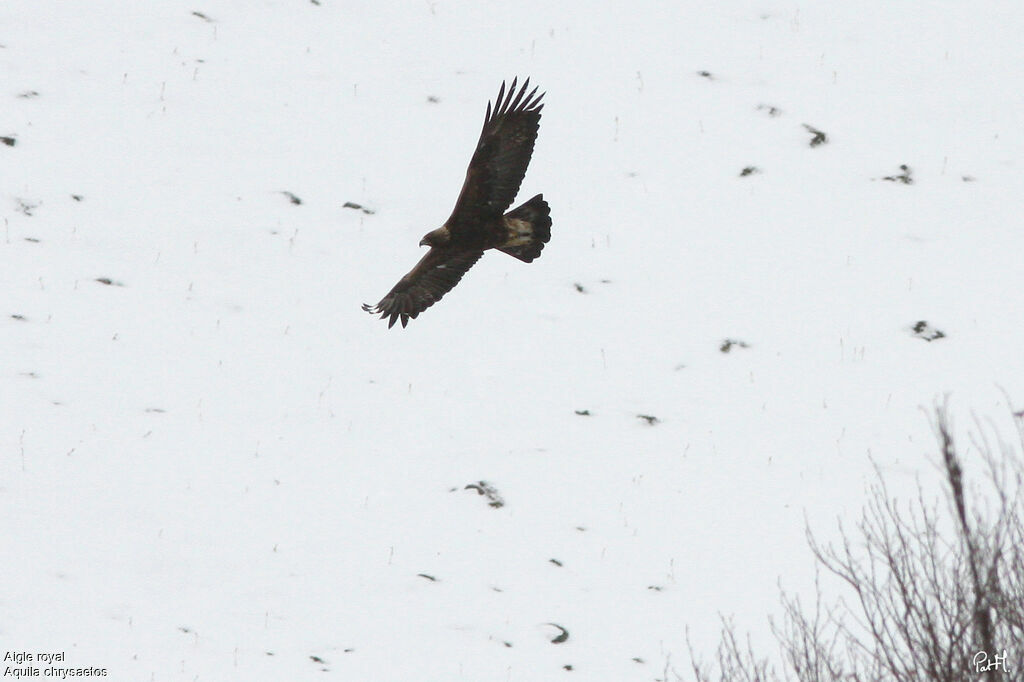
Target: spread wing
{"points": [[501, 157], [433, 277]]}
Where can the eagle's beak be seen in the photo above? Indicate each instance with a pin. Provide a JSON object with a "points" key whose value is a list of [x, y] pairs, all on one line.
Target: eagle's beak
{"points": [[423, 242]]}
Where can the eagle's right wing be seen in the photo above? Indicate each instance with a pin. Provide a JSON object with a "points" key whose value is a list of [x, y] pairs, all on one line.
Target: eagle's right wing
{"points": [[433, 277], [501, 157]]}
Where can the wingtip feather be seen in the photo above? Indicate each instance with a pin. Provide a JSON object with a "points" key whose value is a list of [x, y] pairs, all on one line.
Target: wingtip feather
{"points": [[497, 102], [513, 105], [530, 101], [511, 99]]}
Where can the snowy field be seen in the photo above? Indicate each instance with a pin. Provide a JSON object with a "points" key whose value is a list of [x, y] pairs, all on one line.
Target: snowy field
{"points": [[214, 465]]}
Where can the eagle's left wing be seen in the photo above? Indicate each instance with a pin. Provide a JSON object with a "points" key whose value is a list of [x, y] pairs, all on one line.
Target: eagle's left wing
{"points": [[433, 277], [501, 157]]}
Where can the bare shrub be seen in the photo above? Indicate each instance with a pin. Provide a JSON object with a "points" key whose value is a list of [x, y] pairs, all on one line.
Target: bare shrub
{"points": [[930, 594]]}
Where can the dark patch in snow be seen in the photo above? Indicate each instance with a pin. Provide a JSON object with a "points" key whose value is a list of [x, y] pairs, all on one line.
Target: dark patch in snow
{"points": [[32, 375], [184, 629], [679, 367], [315, 2], [904, 177], [563, 634], [317, 659], [969, 178], [580, 288], [28, 94], [508, 645], [774, 112], [728, 344], [583, 413], [8, 140], [202, 16], [923, 330], [637, 659], [556, 562], [20, 318], [433, 99], [705, 74], [32, 240], [25, 206], [655, 588], [155, 410], [109, 282], [292, 198], [494, 498], [649, 418], [819, 136], [77, 197], [567, 667], [428, 577], [749, 170], [358, 207]]}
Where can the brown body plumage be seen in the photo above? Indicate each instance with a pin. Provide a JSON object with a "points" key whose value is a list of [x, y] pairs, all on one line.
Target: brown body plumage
{"points": [[479, 221]]}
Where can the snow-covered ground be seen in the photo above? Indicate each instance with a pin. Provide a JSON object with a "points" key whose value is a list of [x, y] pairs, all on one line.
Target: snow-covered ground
{"points": [[214, 465]]}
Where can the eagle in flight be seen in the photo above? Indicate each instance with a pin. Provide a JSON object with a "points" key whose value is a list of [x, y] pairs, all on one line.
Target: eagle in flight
{"points": [[479, 221]]}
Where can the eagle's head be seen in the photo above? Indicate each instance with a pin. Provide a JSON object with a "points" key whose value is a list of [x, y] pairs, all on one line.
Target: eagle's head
{"points": [[439, 237]]}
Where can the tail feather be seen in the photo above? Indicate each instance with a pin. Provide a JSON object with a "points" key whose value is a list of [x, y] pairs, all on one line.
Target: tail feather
{"points": [[529, 229]]}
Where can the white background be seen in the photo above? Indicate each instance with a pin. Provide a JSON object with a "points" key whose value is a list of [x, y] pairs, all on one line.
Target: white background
{"points": [[217, 466]]}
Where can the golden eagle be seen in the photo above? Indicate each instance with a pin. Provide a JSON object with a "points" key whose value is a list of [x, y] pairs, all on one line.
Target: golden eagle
{"points": [[479, 221]]}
